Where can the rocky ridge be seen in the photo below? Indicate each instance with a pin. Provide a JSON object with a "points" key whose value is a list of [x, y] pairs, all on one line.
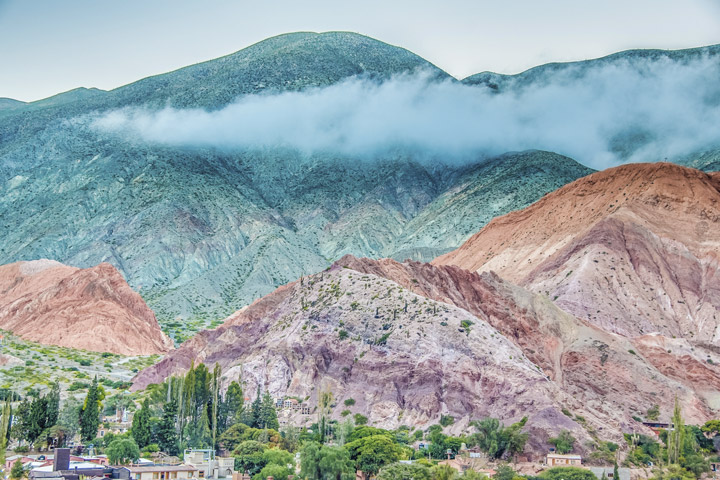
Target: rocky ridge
{"points": [[92, 309], [632, 250]]}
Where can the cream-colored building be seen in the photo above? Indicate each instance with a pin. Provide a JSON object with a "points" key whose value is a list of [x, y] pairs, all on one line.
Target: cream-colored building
{"points": [[164, 472], [208, 465], [557, 460]]}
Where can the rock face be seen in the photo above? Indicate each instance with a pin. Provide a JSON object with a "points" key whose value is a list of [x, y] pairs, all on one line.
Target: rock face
{"points": [[349, 332], [412, 341], [91, 309], [596, 367], [632, 249]]}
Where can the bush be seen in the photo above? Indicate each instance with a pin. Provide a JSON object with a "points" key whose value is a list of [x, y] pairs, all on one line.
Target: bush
{"points": [[653, 413], [349, 402], [22, 449], [345, 413], [567, 473], [17, 471], [403, 471], [152, 448], [446, 420], [563, 442], [360, 419], [342, 334]]}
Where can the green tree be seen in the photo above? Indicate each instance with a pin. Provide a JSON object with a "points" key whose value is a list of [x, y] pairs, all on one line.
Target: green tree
{"points": [[17, 472], [504, 472], [249, 457], [443, 472], [21, 425], [167, 437], [198, 432], [122, 451], [373, 452], [69, 416], [673, 472], [325, 400], [496, 440], [322, 462], [567, 473], [52, 413], [360, 419], [277, 472], [404, 471], [676, 436], [141, 431], [472, 475], [256, 412], [712, 428], [268, 415], [234, 401], [563, 442], [90, 412], [4, 429], [278, 464]]}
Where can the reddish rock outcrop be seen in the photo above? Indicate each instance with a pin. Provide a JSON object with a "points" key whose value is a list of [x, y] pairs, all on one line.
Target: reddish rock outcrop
{"points": [[92, 309], [596, 367], [632, 249], [404, 358]]}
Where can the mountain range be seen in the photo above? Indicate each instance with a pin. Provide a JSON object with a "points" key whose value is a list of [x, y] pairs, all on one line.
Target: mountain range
{"points": [[494, 284], [200, 232], [412, 341]]}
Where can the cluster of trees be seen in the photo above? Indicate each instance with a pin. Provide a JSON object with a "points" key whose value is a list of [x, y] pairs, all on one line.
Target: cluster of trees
{"points": [[190, 412], [682, 451], [35, 417], [39, 420], [336, 450]]}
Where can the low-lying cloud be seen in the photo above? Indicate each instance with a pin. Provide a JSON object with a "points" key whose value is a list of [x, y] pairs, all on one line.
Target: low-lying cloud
{"points": [[600, 116]]}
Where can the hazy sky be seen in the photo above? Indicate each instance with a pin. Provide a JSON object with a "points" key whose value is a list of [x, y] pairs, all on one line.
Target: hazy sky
{"points": [[50, 46]]}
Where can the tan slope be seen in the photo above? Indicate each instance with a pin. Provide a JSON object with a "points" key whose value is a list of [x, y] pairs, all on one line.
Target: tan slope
{"points": [[91, 309], [633, 249]]}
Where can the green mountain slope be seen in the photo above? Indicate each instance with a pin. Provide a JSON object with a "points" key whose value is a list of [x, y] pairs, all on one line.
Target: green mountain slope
{"points": [[201, 232]]}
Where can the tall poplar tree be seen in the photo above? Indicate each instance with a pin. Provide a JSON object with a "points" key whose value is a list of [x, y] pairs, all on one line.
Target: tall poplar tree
{"points": [[141, 430], [4, 427], [166, 432], [90, 413], [268, 414], [676, 436]]}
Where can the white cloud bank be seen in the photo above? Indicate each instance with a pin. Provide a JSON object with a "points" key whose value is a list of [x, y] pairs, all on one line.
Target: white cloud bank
{"points": [[600, 117]]}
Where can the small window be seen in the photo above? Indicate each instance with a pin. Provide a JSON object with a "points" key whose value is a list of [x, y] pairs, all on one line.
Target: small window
{"points": [[156, 475]]}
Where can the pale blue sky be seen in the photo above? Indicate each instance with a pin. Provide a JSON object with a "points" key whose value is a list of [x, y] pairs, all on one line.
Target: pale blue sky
{"points": [[47, 46]]}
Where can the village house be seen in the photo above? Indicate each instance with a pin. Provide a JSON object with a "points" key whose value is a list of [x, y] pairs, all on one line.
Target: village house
{"points": [[162, 472], [208, 465], [623, 473], [558, 460], [658, 427]]}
